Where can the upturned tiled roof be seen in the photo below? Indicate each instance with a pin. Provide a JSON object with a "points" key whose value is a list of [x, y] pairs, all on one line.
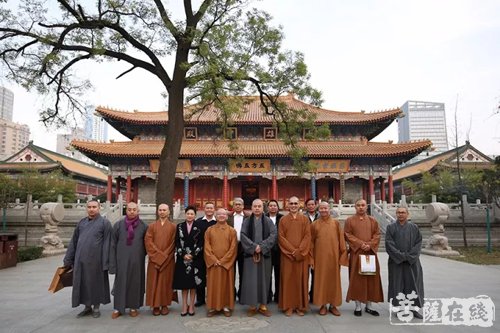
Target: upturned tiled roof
{"points": [[53, 161], [447, 158], [47, 166], [221, 148], [253, 113]]}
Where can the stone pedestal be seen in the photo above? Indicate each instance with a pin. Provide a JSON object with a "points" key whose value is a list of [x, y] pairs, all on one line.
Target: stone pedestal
{"points": [[437, 245], [52, 214]]}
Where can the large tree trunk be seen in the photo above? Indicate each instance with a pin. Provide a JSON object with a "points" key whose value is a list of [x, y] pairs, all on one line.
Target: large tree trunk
{"points": [[174, 131], [171, 149]]}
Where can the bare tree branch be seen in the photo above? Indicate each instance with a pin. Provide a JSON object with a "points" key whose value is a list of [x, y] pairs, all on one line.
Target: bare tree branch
{"points": [[166, 20], [68, 65]]}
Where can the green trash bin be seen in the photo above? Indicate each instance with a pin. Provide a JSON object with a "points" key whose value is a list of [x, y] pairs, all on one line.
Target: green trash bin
{"points": [[8, 250]]}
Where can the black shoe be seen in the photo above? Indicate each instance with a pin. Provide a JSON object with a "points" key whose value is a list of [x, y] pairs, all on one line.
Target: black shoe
{"points": [[357, 313], [96, 313], [85, 312], [417, 315], [198, 304], [372, 312]]}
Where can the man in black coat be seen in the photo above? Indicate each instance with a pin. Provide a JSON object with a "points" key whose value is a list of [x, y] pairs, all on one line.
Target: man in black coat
{"points": [[275, 216], [235, 220], [204, 222]]}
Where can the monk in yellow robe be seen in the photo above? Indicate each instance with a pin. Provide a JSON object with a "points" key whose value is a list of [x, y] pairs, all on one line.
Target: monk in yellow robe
{"points": [[294, 238], [160, 246], [328, 253], [220, 251], [363, 236]]}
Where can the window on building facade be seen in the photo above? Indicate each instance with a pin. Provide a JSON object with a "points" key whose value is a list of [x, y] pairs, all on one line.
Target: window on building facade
{"points": [[231, 133], [190, 133], [270, 133]]}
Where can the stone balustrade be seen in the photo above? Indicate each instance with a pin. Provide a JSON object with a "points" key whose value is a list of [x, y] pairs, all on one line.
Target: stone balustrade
{"points": [[24, 219]]}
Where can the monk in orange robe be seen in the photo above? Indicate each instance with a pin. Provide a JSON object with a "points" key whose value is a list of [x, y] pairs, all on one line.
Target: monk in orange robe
{"points": [[160, 245], [294, 238], [221, 245], [328, 252], [363, 236]]}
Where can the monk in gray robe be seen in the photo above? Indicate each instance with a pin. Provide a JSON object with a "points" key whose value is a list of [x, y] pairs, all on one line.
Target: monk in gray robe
{"points": [[127, 261], [403, 242], [88, 254], [258, 236]]}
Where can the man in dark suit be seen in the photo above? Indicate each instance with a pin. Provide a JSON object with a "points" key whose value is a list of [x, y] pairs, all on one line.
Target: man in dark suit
{"points": [[235, 220], [311, 211], [312, 214], [204, 222], [275, 216]]}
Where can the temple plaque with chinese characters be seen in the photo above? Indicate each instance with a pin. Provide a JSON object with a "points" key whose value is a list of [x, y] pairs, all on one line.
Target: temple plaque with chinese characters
{"points": [[182, 165], [329, 166], [247, 165]]}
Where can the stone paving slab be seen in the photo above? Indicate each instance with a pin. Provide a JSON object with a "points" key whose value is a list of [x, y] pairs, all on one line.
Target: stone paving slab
{"points": [[27, 306]]}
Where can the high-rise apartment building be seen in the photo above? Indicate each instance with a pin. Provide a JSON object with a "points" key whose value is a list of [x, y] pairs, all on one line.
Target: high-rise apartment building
{"points": [[63, 143], [424, 120], [13, 137], [95, 127], [6, 104]]}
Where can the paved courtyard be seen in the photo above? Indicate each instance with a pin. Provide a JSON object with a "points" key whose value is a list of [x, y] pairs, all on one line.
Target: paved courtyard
{"points": [[27, 306]]}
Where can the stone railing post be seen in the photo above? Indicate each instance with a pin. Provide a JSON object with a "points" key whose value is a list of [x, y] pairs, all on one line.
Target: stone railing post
{"points": [[437, 214], [52, 214]]}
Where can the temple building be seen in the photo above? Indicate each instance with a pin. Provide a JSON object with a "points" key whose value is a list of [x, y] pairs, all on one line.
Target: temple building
{"points": [[469, 158], [348, 165], [89, 179]]}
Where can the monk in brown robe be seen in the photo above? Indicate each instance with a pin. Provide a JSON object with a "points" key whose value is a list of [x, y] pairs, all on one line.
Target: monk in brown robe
{"points": [[221, 245], [294, 238], [160, 246], [363, 236], [328, 252]]}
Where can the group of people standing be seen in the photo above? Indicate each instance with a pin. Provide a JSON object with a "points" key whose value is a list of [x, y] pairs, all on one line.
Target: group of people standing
{"points": [[203, 254]]}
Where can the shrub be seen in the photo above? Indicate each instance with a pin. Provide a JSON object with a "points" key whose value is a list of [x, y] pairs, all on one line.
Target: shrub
{"points": [[29, 253]]}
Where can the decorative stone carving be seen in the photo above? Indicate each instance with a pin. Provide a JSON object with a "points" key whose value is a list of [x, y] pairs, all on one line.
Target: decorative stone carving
{"points": [[177, 209], [52, 214], [437, 214]]}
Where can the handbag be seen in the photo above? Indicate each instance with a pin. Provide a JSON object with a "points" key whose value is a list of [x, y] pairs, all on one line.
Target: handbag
{"points": [[63, 277], [367, 264]]}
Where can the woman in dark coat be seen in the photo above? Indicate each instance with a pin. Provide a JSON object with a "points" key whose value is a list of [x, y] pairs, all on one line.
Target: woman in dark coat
{"points": [[189, 251]]}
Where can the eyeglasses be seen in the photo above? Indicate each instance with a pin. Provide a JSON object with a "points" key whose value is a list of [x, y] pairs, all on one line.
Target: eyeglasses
{"points": [[293, 203]]}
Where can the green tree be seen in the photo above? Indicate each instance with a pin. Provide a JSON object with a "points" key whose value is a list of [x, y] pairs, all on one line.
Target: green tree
{"points": [[491, 183], [220, 49], [445, 185], [7, 194], [7, 190], [46, 187]]}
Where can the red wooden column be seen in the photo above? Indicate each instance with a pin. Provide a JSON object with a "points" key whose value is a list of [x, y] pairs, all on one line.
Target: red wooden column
{"points": [[225, 190], [391, 186], [341, 186], [129, 186], [364, 189], [382, 189], [274, 184], [118, 187], [371, 189], [336, 191], [109, 190], [135, 197]]}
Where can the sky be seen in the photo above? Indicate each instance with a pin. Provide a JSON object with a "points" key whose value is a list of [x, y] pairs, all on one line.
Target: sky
{"points": [[363, 55]]}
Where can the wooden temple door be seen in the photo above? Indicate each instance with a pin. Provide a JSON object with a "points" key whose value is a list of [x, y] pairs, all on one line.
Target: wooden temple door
{"points": [[249, 192]]}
